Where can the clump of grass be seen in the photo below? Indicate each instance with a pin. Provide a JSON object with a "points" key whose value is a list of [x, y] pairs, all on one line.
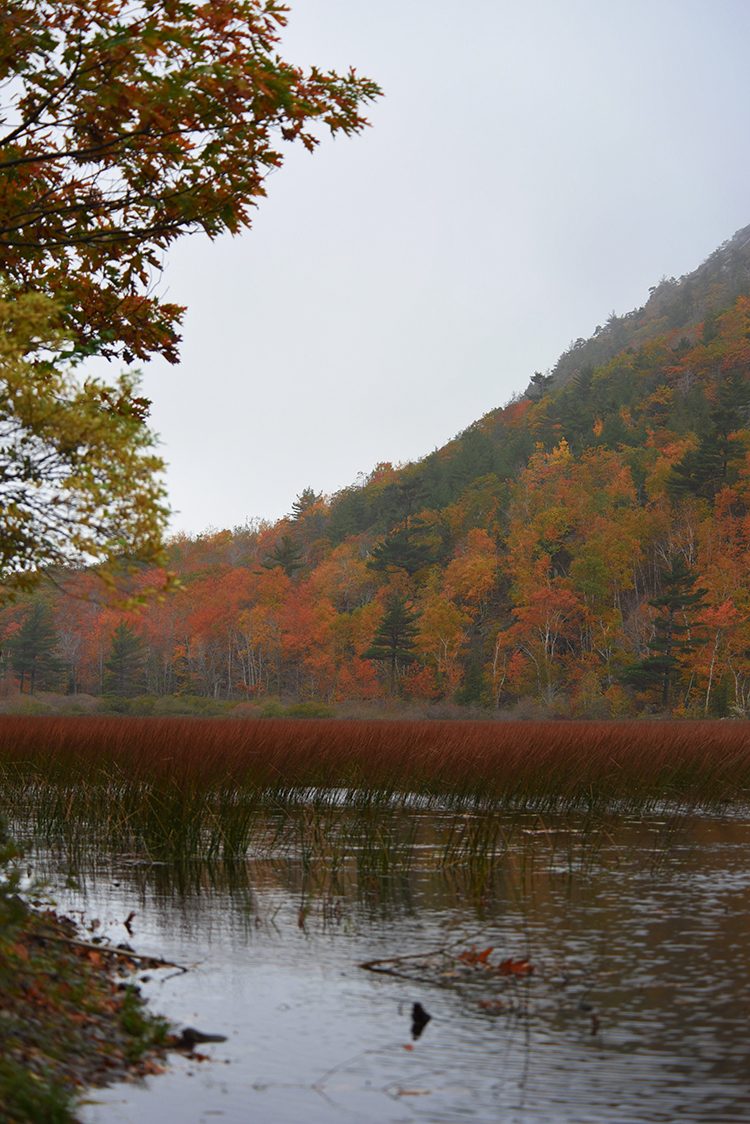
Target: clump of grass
{"points": [[176, 787], [538, 763]]}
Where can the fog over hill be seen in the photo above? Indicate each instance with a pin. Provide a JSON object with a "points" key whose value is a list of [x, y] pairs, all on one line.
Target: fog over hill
{"points": [[675, 304]]}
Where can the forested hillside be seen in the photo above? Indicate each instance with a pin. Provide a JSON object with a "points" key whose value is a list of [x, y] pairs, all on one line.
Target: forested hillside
{"points": [[584, 550]]}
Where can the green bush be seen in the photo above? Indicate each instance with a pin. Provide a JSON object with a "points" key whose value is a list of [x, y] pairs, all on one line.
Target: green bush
{"points": [[272, 708], [165, 706], [115, 704], [28, 706], [197, 705], [310, 710]]}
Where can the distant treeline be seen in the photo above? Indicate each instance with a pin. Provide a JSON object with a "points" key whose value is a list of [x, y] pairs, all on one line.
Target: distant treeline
{"points": [[583, 551]]}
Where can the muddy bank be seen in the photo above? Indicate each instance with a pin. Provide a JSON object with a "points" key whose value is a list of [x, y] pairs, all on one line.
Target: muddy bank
{"points": [[69, 1016]]}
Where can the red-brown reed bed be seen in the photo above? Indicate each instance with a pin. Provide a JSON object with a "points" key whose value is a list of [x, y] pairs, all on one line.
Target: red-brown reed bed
{"points": [[532, 764]]}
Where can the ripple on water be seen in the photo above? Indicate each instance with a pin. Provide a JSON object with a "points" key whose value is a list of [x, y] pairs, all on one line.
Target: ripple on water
{"points": [[637, 1010]]}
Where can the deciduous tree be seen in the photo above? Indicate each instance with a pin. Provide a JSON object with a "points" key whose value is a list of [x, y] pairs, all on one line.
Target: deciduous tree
{"points": [[79, 479], [124, 124], [128, 123]]}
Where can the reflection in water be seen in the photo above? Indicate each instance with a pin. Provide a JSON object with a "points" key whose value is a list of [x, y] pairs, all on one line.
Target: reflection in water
{"points": [[633, 1005]]}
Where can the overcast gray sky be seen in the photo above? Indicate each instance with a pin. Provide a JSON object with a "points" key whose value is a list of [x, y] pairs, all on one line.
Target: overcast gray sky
{"points": [[532, 167]]}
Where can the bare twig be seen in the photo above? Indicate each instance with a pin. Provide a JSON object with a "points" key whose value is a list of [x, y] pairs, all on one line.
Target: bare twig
{"points": [[111, 950]]}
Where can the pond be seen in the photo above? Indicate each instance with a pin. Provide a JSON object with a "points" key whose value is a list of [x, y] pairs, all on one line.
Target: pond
{"points": [[615, 987]]}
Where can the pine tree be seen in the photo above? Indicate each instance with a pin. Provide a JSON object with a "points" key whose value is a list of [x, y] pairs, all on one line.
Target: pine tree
{"points": [[285, 554], [703, 471], [394, 641], [33, 650], [674, 633], [401, 549], [538, 386], [307, 498], [124, 669]]}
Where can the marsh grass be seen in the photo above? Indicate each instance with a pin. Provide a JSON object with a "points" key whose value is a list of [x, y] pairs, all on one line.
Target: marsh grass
{"points": [[174, 790]]}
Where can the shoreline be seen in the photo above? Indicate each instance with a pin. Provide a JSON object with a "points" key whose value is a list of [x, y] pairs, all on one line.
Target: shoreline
{"points": [[70, 1016]]}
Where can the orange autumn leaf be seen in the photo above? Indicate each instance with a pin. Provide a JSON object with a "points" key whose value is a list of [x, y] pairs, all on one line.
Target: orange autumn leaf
{"points": [[511, 967], [473, 956]]}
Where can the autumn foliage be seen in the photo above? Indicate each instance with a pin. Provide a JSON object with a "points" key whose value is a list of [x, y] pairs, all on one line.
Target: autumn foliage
{"points": [[581, 552], [127, 125], [123, 126]]}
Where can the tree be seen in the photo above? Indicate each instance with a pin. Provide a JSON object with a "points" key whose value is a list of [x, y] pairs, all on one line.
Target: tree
{"points": [[441, 634], [545, 628], [472, 575], [402, 549], [538, 385], [305, 501], [128, 123], [33, 650], [124, 669], [703, 471], [394, 641], [285, 554], [674, 631], [124, 124], [79, 479]]}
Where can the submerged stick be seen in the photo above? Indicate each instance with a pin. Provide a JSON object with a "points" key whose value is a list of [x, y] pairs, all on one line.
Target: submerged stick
{"points": [[111, 950], [377, 966], [443, 950]]}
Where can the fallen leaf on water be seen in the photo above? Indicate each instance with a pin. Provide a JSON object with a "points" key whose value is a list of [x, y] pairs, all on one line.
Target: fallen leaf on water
{"points": [[408, 1046], [473, 956], [511, 967]]}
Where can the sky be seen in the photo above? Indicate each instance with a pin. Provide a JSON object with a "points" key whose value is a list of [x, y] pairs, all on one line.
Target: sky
{"points": [[533, 166]]}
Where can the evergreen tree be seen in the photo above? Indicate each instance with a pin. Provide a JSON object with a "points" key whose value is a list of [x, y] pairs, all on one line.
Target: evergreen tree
{"points": [[703, 471], [285, 554], [399, 501], [473, 685], [394, 641], [304, 501], [33, 650], [124, 669], [349, 514], [401, 550], [674, 632], [538, 385]]}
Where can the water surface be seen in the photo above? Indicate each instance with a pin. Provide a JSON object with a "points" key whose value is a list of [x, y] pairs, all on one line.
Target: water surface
{"points": [[637, 1008]]}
